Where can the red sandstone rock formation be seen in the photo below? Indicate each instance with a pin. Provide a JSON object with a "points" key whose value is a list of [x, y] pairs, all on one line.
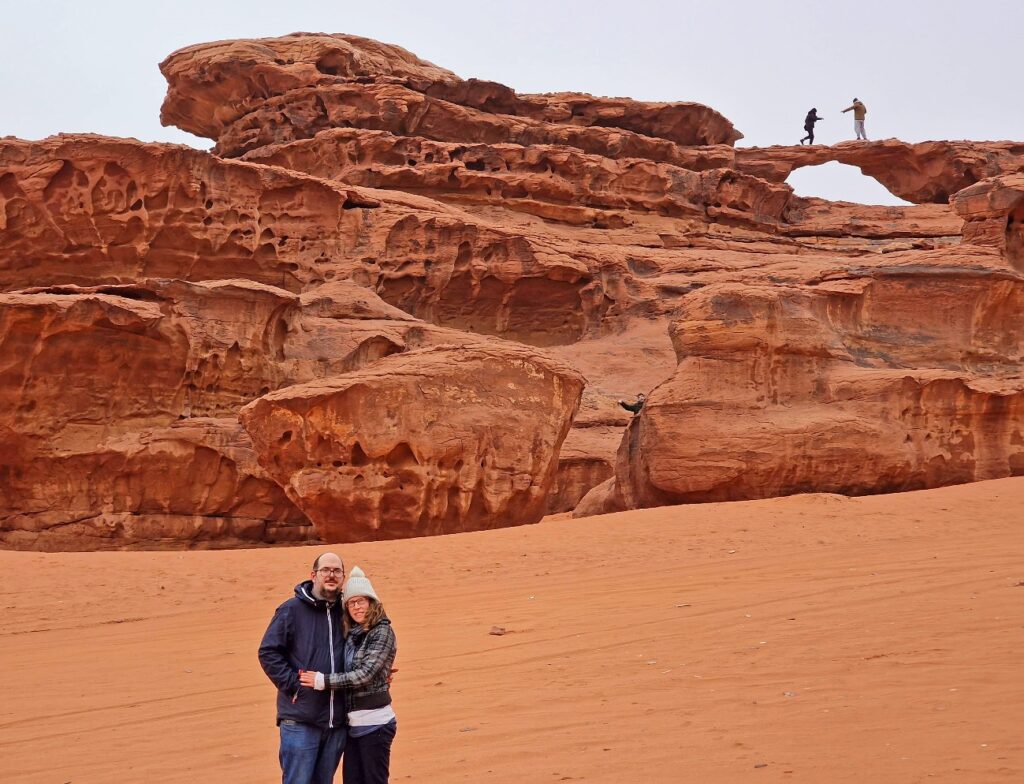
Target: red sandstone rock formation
{"points": [[378, 205], [896, 380], [119, 405], [90, 209], [920, 173], [993, 211], [417, 444], [229, 90], [537, 179], [193, 483], [118, 418], [212, 85]]}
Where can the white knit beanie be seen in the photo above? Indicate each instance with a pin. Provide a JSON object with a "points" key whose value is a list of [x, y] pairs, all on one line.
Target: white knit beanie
{"points": [[358, 585]]}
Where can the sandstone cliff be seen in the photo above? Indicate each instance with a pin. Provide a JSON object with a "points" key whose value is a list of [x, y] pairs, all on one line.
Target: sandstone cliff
{"points": [[411, 274]]}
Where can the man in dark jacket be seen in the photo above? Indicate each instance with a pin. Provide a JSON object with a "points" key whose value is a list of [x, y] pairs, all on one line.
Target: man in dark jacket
{"points": [[306, 634]]}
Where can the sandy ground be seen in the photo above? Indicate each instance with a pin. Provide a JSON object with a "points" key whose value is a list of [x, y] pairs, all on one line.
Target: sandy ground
{"points": [[808, 639]]}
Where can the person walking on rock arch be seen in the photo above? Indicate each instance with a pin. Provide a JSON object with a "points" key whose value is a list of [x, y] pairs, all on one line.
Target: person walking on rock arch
{"points": [[307, 633], [859, 113], [811, 118]]}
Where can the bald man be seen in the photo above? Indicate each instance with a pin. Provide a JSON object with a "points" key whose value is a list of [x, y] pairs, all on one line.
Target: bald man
{"points": [[306, 634]]}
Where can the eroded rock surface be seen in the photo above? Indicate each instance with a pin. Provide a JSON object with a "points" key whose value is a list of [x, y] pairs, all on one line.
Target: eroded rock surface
{"points": [[231, 90], [92, 209], [193, 483], [118, 405], [371, 206], [427, 442], [993, 211], [537, 179], [210, 219], [896, 380], [920, 173]]}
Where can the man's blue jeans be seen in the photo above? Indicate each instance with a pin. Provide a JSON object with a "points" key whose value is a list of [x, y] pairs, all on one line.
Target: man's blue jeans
{"points": [[310, 755]]}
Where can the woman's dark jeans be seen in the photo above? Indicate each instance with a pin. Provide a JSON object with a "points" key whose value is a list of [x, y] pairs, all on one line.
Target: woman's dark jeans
{"points": [[368, 758]]}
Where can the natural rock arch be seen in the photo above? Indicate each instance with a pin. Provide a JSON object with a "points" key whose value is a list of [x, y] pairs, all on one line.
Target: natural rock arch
{"points": [[838, 181], [921, 173]]}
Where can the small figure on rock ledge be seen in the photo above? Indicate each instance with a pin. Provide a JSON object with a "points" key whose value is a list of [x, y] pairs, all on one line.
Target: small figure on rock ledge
{"points": [[859, 113], [811, 118], [635, 407]]}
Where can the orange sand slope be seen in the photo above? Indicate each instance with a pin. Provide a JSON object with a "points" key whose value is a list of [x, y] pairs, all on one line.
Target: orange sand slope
{"points": [[812, 639]]}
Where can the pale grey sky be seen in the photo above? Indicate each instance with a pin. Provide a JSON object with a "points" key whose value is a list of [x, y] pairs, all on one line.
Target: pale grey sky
{"points": [[926, 70]]}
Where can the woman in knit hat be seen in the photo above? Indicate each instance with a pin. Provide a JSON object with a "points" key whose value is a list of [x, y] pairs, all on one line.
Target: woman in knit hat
{"points": [[370, 650]]}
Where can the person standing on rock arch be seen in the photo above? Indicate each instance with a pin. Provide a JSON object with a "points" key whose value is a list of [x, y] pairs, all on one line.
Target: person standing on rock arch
{"points": [[307, 633], [860, 111], [811, 118]]}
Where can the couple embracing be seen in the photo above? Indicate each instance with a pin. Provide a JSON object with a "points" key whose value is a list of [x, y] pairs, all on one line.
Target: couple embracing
{"points": [[329, 651]]}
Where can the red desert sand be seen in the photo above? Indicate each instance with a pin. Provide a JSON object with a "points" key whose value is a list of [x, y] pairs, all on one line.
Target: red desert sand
{"points": [[814, 638]]}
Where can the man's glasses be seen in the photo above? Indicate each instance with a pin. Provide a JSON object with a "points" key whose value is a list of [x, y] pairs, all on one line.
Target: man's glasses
{"points": [[327, 571]]}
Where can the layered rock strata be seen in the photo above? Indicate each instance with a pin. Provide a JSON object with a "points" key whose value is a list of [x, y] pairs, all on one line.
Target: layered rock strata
{"points": [[372, 207], [175, 212], [91, 209], [250, 93], [552, 181]]}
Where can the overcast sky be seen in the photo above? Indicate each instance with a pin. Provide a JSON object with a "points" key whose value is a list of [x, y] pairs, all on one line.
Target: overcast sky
{"points": [[926, 70]]}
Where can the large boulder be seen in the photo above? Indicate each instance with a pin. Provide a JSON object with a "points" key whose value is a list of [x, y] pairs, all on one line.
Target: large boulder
{"points": [[211, 85], [893, 381], [427, 442]]}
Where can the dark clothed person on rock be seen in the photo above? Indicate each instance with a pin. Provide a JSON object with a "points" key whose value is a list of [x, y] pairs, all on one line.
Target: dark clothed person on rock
{"points": [[634, 407], [811, 118]]}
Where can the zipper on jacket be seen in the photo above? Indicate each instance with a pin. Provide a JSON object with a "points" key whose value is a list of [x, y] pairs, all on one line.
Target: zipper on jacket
{"points": [[330, 642]]}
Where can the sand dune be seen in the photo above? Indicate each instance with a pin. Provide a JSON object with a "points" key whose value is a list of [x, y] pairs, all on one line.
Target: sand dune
{"points": [[812, 639]]}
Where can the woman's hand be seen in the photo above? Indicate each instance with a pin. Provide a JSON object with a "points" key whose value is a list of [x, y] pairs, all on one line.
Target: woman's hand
{"points": [[308, 678]]}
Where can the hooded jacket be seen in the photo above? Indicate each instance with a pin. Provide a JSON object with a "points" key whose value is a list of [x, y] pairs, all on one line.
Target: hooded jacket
{"points": [[859, 110], [305, 634]]}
